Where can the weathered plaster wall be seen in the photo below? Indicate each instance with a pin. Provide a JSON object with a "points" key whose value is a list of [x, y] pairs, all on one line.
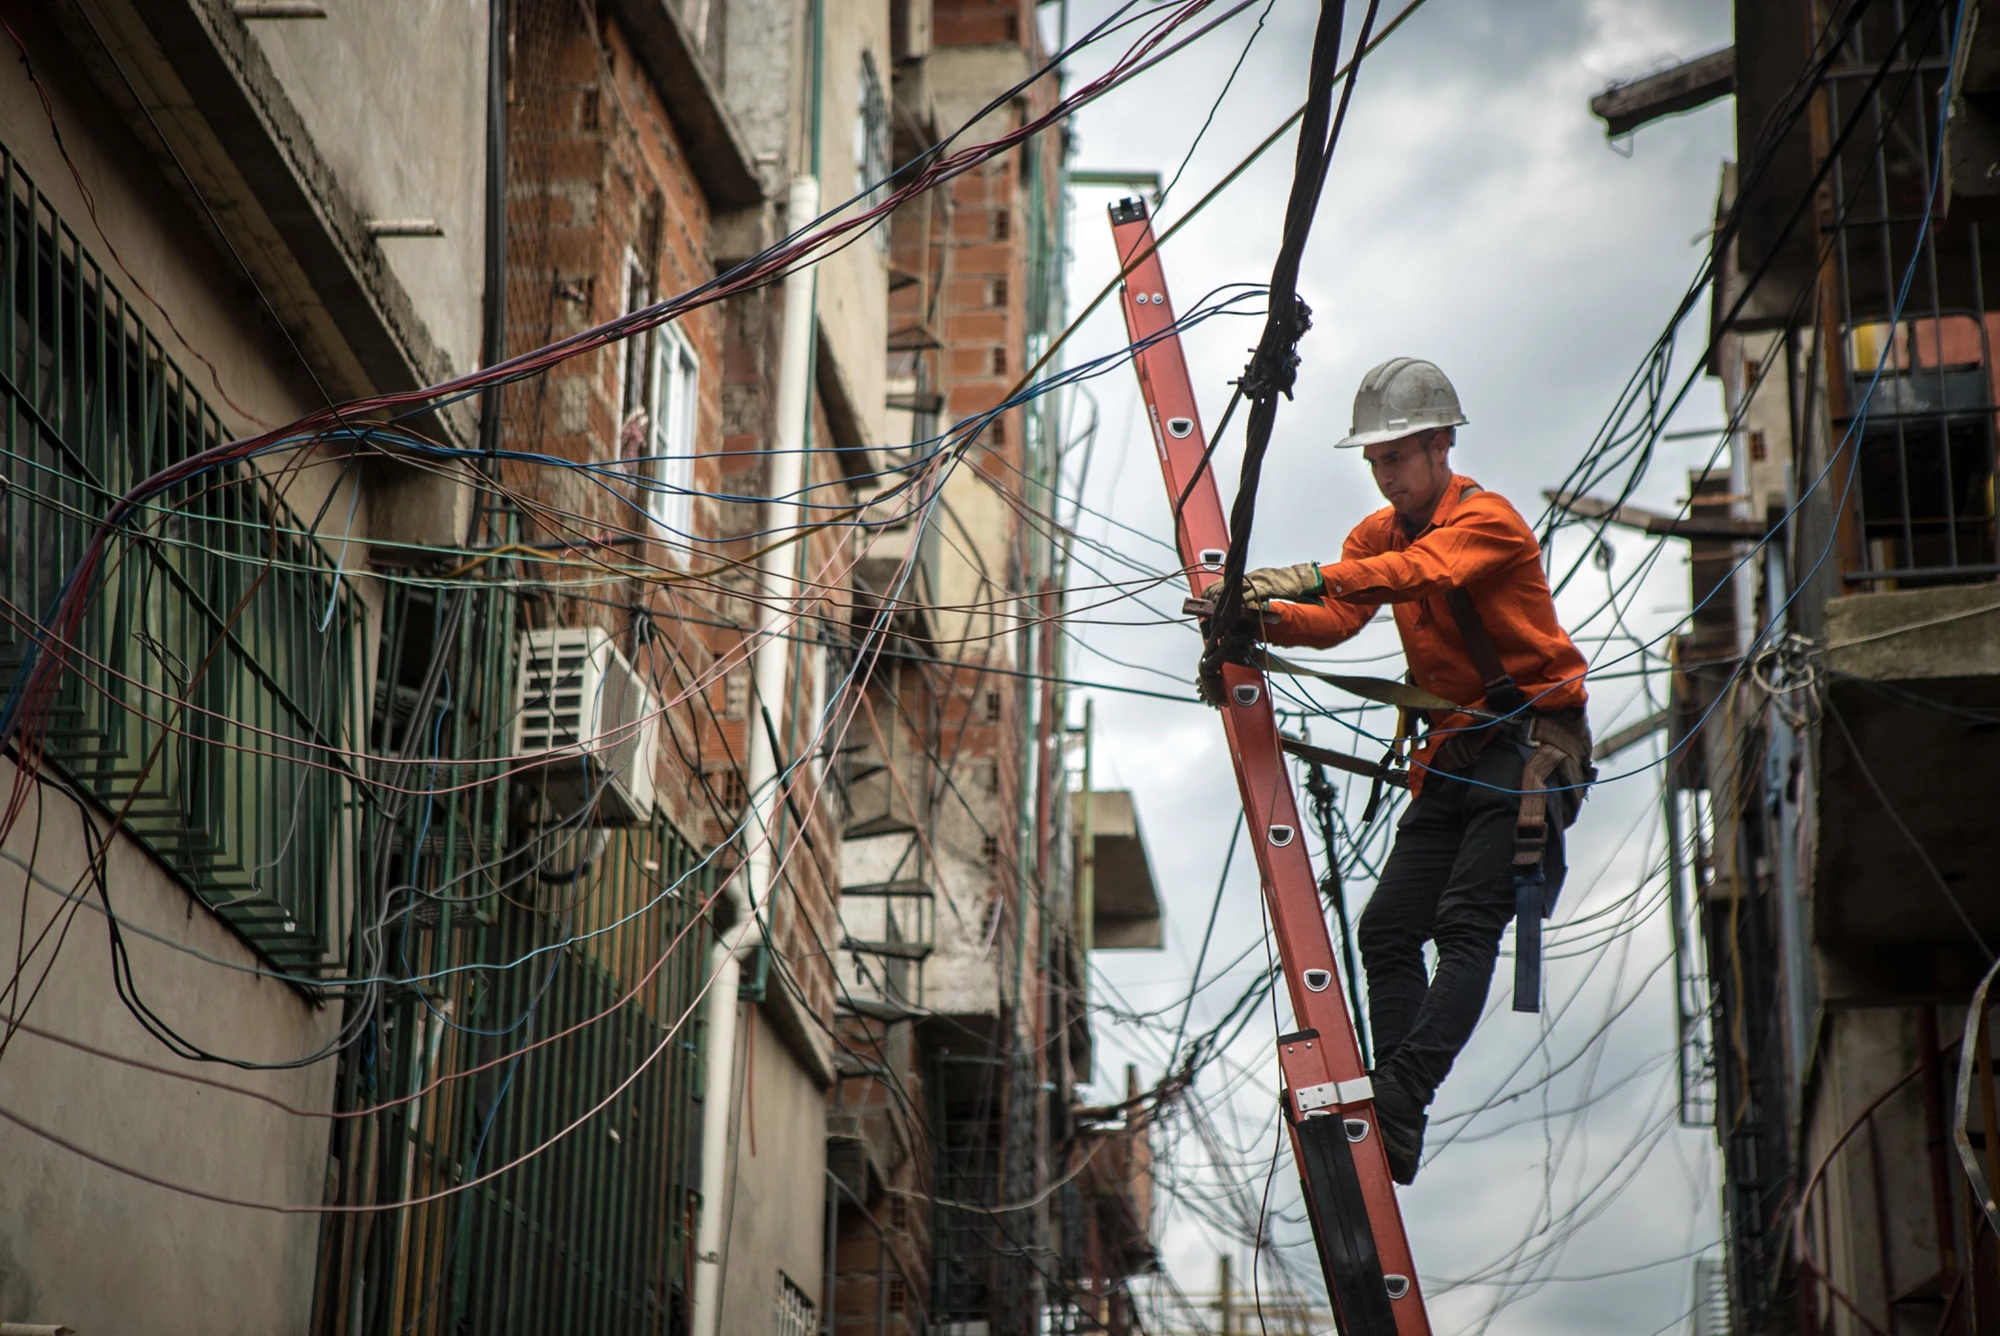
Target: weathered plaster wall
{"points": [[88, 1247], [394, 94]]}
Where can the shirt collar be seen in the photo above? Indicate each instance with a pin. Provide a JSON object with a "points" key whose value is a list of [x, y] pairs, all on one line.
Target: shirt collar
{"points": [[1454, 492]]}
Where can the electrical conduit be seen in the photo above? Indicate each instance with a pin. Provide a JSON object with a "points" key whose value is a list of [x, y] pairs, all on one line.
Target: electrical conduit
{"points": [[749, 895]]}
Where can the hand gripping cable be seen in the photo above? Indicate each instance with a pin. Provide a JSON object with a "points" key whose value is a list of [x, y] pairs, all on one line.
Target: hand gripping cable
{"points": [[1327, 1100]]}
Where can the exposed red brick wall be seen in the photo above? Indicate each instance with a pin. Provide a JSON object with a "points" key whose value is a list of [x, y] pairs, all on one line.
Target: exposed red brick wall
{"points": [[599, 179], [984, 22]]}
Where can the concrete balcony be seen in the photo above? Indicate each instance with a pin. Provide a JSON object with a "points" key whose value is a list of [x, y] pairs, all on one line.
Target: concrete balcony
{"points": [[1118, 900], [1906, 832]]}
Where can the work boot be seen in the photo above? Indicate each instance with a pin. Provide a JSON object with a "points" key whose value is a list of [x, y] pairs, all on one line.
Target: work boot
{"points": [[1402, 1122]]}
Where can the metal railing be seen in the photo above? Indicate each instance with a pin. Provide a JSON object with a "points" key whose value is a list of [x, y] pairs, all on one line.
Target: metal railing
{"points": [[207, 691], [1921, 497], [595, 1230], [1923, 500]]}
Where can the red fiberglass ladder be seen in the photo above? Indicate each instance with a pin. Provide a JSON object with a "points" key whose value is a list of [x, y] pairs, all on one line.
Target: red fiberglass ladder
{"points": [[1328, 1105]]}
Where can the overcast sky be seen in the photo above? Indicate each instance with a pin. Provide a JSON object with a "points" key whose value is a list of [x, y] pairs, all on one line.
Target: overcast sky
{"points": [[1475, 216]]}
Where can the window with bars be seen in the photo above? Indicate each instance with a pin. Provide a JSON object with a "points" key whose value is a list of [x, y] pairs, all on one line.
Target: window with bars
{"points": [[670, 446], [796, 1313], [207, 689], [593, 1231], [871, 143], [659, 380]]}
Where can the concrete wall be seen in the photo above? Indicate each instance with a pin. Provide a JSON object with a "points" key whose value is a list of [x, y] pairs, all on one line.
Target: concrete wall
{"points": [[1875, 1205], [853, 295], [394, 94], [766, 82], [777, 1207], [248, 375], [82, 1245], [79, 1243]]}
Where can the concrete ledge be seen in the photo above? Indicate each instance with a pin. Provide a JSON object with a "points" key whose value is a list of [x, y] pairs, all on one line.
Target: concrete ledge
{"points": [[802, 1038], [1916, 634], [1694, 83], [715, 147], [198, 91], [851, 438]]}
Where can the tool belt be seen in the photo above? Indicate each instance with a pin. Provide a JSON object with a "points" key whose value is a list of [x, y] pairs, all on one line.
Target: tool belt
{"points": [[1557, 748]]}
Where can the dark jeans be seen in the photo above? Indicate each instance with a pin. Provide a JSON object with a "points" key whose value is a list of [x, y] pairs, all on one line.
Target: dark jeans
{"points": [[1450, 880]]}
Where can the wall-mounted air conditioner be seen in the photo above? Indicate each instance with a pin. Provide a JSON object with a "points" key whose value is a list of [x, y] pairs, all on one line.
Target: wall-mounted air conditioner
{"points": [[585, 728]]}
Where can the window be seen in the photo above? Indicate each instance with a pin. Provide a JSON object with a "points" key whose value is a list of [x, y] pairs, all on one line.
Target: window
{"points": [[796, 1315], [632, 380], [871, 143], [660, 437], [214, 599], [836, 663]]}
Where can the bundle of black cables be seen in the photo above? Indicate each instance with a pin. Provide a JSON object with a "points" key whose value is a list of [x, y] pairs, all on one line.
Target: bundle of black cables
{"points": [[1274, 363]]}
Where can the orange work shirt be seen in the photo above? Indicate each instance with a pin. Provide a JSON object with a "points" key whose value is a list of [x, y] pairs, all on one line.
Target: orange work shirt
{"points": [[1478, 542]]}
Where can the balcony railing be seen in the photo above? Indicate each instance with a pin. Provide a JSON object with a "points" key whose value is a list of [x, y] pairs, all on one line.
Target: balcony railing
{"points": [[1922, 498]]}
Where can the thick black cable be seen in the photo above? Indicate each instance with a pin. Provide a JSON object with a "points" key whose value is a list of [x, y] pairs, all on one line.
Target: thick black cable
{"points": [[1274, 365], [1332, 888], [1208, 935]]}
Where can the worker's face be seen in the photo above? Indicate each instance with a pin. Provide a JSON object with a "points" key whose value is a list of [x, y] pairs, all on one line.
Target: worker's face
{"points": [[1412, 472]]}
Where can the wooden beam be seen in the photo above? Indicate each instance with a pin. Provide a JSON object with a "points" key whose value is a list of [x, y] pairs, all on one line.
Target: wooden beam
{"points": [[1630, 736], [1652, 522], [1627, 106]]}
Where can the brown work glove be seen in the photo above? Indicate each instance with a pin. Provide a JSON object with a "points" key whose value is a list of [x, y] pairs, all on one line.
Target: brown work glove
{"points": [[1293, 584]]}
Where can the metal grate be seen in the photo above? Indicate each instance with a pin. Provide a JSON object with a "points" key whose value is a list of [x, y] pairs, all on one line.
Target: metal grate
{"points": [[795, 1313], [1922, 498], [208, 693], [595, 1232]]}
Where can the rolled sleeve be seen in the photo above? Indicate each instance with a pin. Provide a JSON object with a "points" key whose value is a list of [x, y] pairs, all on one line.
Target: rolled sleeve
{"points": [[1315, 626]]}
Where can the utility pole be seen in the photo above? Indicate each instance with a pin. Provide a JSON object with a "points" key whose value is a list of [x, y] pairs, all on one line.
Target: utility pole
{"points": [[1086, 861]]}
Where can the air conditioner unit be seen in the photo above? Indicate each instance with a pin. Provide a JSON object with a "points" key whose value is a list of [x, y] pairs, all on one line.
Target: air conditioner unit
{"points": [[586, 729]]}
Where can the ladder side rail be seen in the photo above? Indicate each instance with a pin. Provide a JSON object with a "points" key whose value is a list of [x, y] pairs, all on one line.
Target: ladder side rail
{"points": [[1326, 1095]]}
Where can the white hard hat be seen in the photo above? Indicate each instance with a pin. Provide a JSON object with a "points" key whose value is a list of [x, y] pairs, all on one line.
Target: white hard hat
{"points": [[1400, 398]]}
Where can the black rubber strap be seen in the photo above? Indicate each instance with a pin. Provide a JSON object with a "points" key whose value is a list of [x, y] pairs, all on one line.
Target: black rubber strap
{"points": [[1347, 1252]]}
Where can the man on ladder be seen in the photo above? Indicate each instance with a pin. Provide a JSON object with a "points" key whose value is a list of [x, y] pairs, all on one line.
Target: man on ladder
{"points": [[1491, 789]]}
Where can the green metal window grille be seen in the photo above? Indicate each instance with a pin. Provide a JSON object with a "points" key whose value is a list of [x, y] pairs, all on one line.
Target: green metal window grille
{"points": [[438, 737], [501, 946], [596, 1232], [209, 691]]}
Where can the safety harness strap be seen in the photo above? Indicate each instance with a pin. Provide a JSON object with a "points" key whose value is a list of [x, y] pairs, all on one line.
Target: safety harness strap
{"points": [[1556, 751], [1562, 753], [1501, 692]]}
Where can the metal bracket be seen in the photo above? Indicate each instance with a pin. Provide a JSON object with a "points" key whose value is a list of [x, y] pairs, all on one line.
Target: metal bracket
{"points": [[1328, 1094]]}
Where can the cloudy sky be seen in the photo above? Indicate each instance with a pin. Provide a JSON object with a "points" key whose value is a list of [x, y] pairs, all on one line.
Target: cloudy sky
{"points": [[1475, 216]]}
